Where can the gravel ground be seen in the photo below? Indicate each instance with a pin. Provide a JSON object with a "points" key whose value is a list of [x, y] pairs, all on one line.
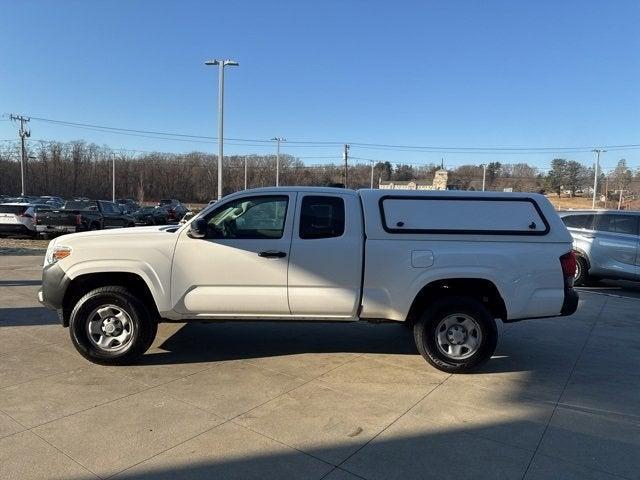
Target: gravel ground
{"points": [[22, 246]]}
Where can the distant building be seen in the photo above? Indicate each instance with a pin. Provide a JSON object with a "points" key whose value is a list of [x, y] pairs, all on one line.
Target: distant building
{"points": [[440, 182]]}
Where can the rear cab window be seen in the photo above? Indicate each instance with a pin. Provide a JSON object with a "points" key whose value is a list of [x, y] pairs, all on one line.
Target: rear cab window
{"points": [[81, 205]]}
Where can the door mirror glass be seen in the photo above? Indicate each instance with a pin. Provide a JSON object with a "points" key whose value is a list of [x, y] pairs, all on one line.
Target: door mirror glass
{"points": [[198, 228]]}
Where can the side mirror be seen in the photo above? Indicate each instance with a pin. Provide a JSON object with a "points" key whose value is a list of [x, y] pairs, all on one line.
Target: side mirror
{"points": [[198, 228]]}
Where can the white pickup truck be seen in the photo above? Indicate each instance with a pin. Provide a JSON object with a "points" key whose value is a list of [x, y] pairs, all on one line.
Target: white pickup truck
{"points": [[447, 263]]}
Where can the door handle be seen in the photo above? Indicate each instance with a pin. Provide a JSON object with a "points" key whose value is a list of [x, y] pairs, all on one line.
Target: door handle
{"points": [[272, 254]]}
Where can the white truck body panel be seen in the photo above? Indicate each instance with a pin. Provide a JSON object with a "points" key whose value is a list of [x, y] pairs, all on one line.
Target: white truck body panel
{"points": [[371, 271]]}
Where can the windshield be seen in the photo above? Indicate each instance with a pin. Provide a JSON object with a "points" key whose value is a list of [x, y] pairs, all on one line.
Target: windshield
{"points": [[80, 205], [146, 210]]}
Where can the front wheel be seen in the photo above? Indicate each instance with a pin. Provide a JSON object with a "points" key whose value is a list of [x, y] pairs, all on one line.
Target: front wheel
{"points": [[456, 334], [109, 326]]}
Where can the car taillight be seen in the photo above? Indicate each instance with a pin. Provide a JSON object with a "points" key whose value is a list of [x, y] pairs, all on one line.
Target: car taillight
{"points": [[78, 219], [569, 264]]}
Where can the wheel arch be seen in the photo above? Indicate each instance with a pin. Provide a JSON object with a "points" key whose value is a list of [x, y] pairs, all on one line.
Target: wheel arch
{"points": [[582, 254], [86, 282], [481, 289]]}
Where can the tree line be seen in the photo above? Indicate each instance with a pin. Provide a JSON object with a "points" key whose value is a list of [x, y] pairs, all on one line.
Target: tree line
{"points": [[73, 169]]}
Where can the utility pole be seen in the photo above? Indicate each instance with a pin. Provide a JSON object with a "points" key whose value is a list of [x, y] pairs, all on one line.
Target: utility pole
{"points": [[372, 165], [245, 172], [484, 175], [345, 155], [221, 64], [23, 133], [597, 151], [278, 140]]}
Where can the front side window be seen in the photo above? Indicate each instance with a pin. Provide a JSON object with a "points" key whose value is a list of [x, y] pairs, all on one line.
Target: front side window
{"points": [[617, 224], [249, 218], [321, 217]]}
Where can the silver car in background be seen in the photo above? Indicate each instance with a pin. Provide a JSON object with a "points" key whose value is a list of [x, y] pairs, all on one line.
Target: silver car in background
{"points": [[20, 218], [606, 243]]}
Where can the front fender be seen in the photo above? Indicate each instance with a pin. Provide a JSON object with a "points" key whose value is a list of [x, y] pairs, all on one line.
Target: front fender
{"points": [[137, 267]]}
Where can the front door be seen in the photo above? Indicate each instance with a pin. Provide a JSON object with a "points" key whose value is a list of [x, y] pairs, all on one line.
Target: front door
{"points": [[240, 268]]}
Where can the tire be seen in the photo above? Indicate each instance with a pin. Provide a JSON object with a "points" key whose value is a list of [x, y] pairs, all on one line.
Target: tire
{"points": [[457, 321], [94, 226], [134, 328], [582, 271]]}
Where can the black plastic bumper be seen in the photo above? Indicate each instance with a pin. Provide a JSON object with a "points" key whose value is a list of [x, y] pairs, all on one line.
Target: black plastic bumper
{"points": [[54, 286], [570, 304]]}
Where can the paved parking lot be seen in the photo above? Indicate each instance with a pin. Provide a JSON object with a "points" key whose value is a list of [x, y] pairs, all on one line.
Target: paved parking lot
{"points": [[561, 399]]}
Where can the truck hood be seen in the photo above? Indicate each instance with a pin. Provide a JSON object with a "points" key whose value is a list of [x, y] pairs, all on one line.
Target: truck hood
{"points": [[133, 233], [145, 251]]}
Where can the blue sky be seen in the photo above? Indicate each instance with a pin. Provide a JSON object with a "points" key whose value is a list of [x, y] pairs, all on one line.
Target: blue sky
{"points": [[431, 73]]}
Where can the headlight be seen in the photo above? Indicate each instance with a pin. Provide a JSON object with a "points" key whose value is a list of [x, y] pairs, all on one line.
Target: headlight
{"points": [[55, 253]]}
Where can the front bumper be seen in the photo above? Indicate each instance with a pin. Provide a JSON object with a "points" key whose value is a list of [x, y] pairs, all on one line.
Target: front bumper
{"points": [[54, 287], [16, 228], [55, 229]]}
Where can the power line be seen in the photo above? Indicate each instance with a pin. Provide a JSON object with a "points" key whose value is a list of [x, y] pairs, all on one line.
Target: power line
{"points": [[376, 146]]}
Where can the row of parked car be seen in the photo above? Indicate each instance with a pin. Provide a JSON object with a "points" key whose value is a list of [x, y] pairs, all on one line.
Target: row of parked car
{"points": [[47, 215]]}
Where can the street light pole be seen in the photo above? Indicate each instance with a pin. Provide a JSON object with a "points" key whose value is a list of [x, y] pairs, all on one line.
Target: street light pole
{"points": [[484, 175], [113, 178], [372, 165], [245, 172], [278, 139], [221, 64], [597, 151]]}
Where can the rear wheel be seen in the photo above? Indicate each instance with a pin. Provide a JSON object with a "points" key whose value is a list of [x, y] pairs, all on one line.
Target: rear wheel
{"points": [[456, 334], [110, 326], [582, 271]]}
